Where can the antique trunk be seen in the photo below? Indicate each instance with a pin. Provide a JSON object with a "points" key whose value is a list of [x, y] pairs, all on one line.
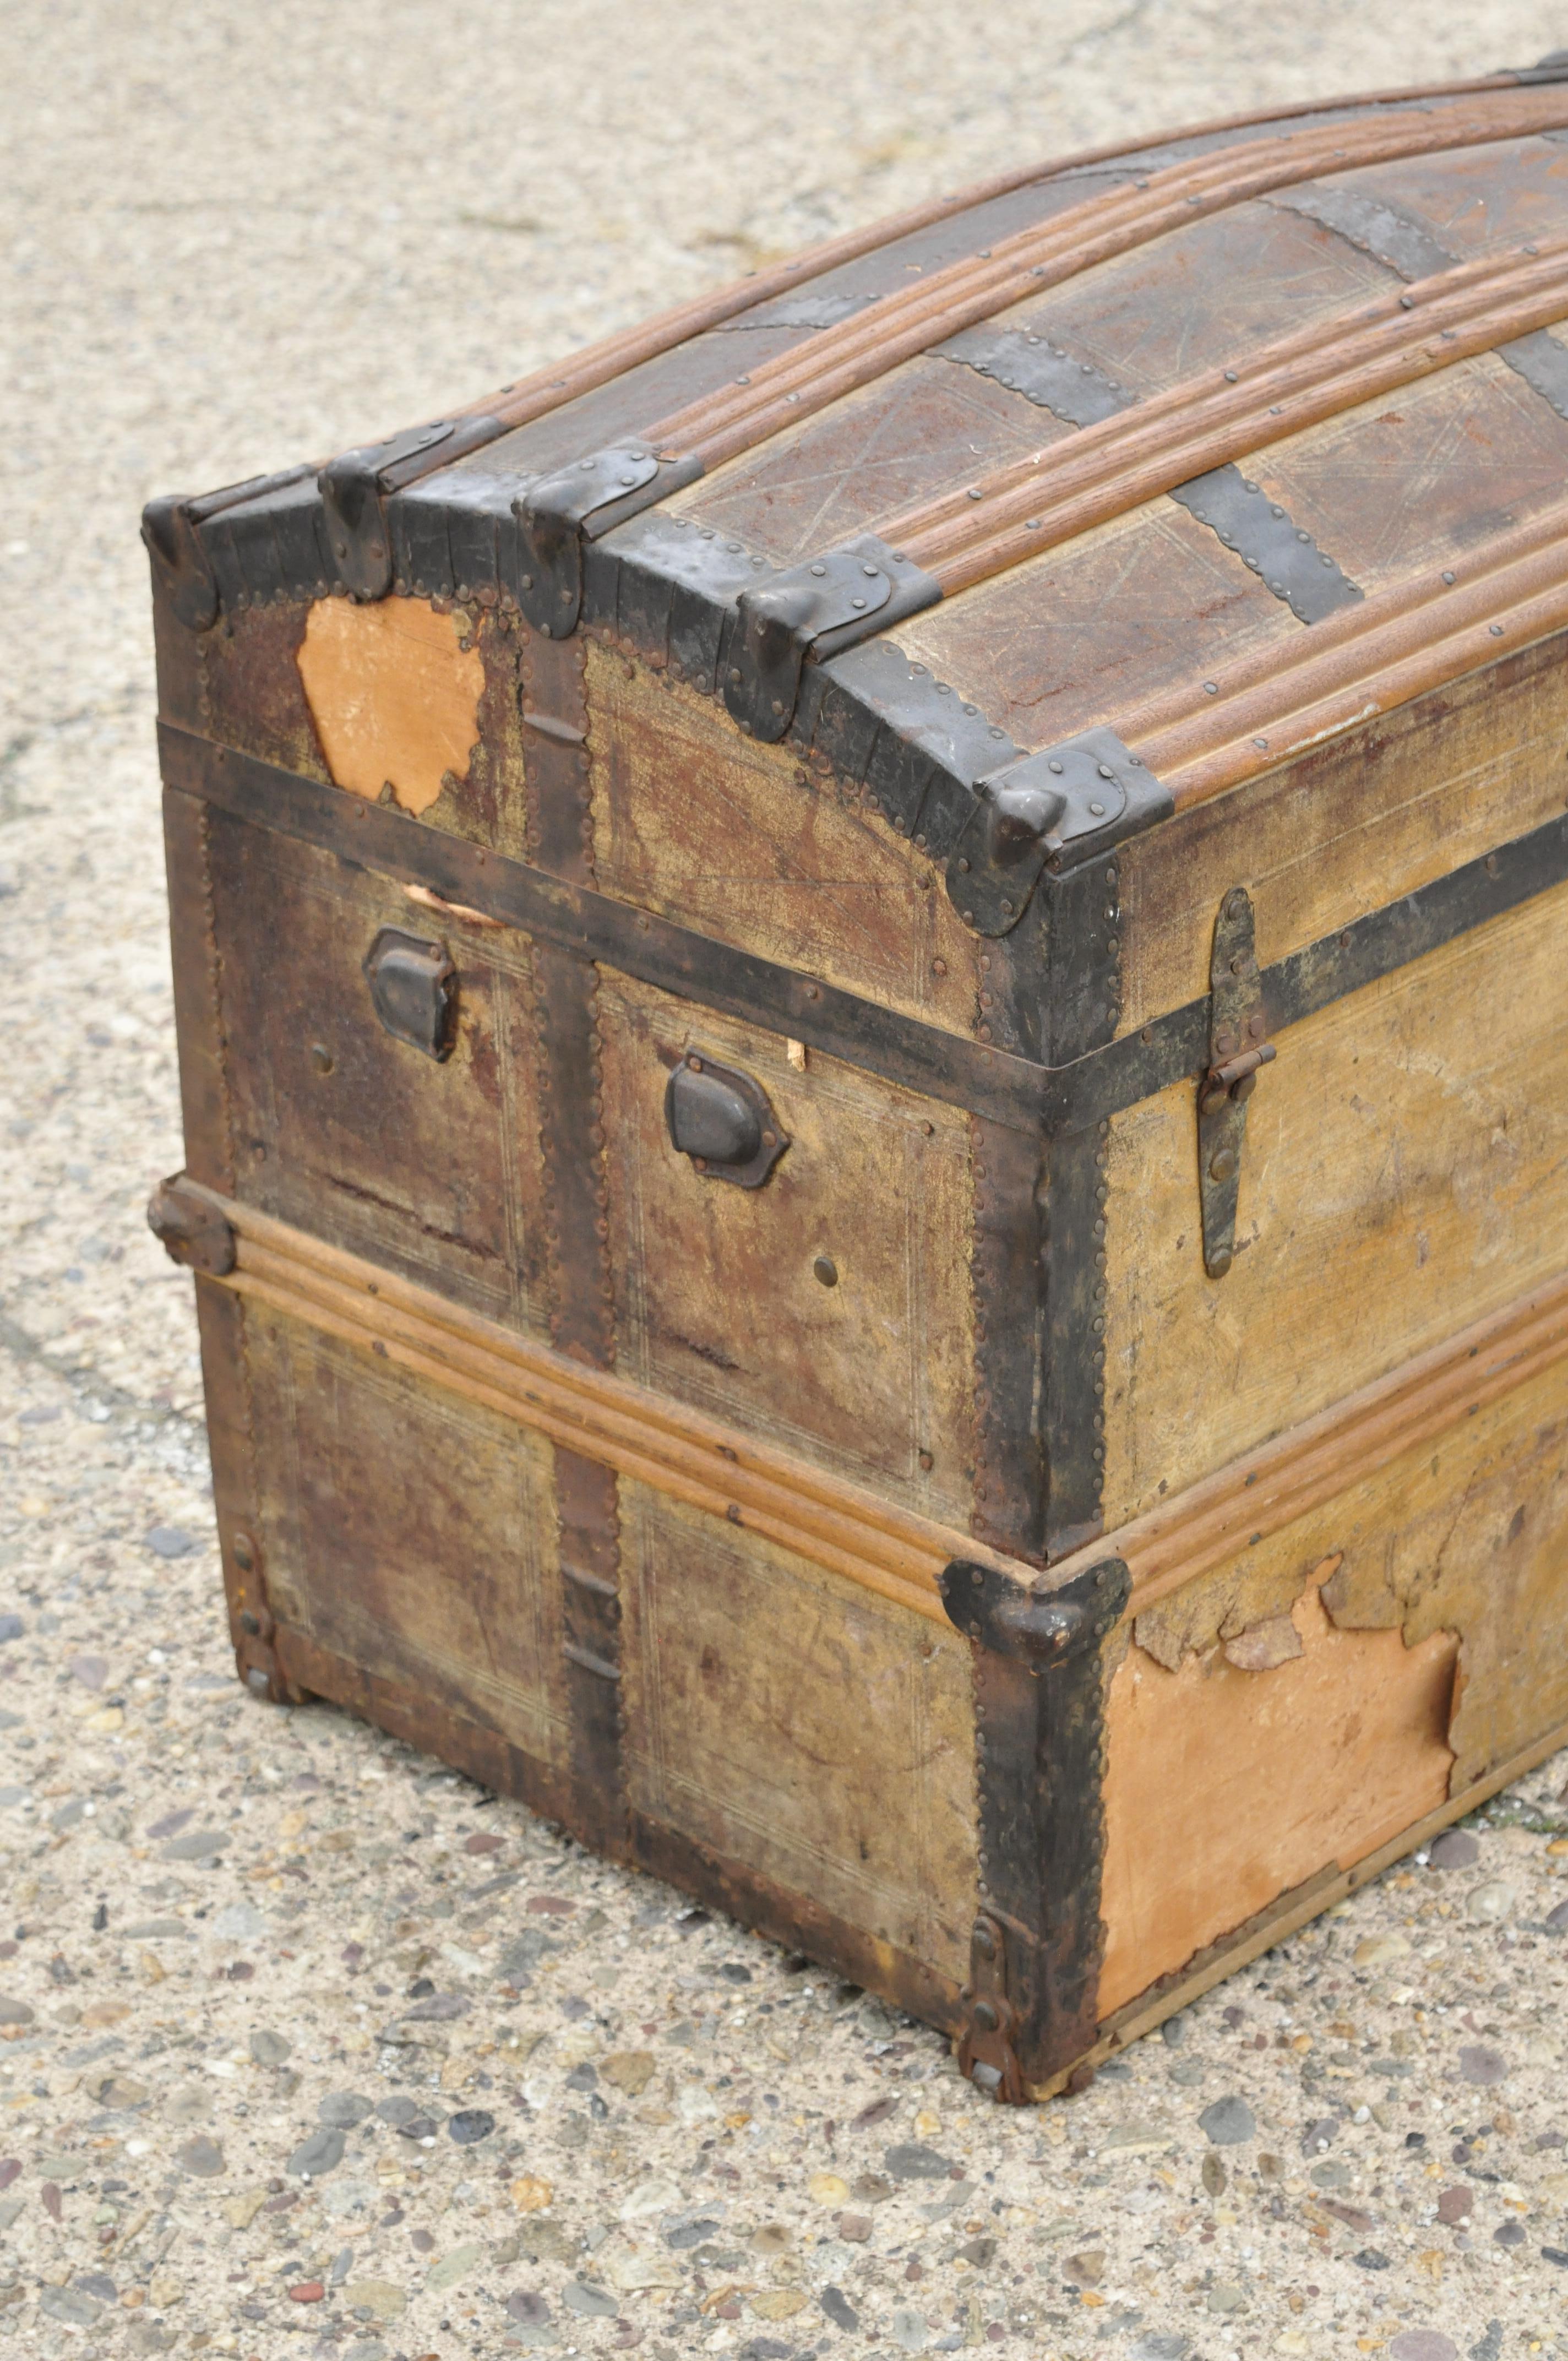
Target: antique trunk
{"points": [[874, 1035]]}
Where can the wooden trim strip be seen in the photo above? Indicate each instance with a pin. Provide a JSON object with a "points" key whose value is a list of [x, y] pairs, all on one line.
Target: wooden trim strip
{"points": [[1067, 488], [713, 1466], [837, 1524], [1291, 1912], [1269, 1489], [559, 382], [835, 361], [1193, 716]]}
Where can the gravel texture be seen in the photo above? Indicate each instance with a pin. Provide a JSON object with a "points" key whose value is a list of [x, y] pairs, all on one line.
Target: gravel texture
{"points": [[306, 2045]]}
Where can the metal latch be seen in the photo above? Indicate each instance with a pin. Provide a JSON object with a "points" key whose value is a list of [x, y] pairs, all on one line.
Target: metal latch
{"points": [[1238, 1046], [986, 2055]]}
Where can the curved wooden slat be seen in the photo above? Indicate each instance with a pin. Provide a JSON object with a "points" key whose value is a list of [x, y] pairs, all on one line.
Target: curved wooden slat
{"points": [[777, 394], [1226, 414], [558, 382]]}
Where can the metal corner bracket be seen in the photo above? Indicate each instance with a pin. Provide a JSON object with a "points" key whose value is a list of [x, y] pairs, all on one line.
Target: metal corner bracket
{"points": [[1051, 810], [1038, 1628], [558, 512], [813, 611]]}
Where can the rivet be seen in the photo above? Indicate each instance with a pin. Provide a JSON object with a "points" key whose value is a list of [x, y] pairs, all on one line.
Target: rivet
{"points": [[1054, 765], [1098, 809], [961, 866], [820, 569], [825, 1269], [1210, 688], [1447, 576]]}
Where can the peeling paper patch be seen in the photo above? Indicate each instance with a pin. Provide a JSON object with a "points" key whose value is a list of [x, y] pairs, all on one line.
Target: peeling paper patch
{"points": [[1263, 1645]]}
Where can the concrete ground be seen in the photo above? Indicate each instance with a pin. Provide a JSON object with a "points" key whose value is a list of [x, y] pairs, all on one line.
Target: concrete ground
{"points": [[305, 2046]]}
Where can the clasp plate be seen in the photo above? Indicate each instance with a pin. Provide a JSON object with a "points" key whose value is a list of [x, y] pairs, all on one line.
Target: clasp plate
{"points": [[1238, 1046]]}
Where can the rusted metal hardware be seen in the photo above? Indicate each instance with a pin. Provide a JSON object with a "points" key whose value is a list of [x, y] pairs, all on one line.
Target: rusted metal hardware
{"points": [[667, 584], [986, 2054], [558, 512], [1281, 552], [812, 611], [252, 1625], [1542, 363], [190, 1228], [413, 988], [170, 529], [1034, 1627], [1372, 224], [1039, 1692], [1053, 809], [723, 1121], [1238, 1046], [355, 485]]}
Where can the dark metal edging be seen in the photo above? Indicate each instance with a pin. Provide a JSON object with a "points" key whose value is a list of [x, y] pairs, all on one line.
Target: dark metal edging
{"points": [[921, 1057], [1059, 1100]]}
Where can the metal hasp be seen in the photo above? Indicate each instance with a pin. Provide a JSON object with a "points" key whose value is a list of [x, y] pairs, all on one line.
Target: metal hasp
{"points": [[355, 486], [814, 611], [413, 986], [1039, 1685], [556, 513], [1237, 1048], [723, 1121], [1051, 811]]}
